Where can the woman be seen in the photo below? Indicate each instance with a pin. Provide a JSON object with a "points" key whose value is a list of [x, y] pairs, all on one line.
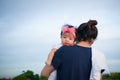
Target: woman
{"points": [[75, 62]]}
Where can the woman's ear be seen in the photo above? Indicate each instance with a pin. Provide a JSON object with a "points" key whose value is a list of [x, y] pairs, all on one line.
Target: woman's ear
{"points": [[92, 41]]}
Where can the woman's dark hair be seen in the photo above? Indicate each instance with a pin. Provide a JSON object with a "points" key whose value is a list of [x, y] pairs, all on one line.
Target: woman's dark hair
{"points": [[87, 31]]}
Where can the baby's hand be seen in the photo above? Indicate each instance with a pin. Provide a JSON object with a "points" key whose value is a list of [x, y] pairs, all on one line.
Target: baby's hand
{"points": [[48, 63]]}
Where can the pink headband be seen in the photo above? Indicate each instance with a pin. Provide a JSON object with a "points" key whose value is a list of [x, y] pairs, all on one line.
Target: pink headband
{"points": [[69, 30]]}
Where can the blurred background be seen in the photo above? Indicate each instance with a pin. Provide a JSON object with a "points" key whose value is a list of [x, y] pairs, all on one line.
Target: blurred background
{"points": [[29, 29]]}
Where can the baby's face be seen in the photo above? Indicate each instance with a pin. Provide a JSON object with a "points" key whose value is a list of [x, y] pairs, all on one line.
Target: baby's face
{"points": [[67, 39]]}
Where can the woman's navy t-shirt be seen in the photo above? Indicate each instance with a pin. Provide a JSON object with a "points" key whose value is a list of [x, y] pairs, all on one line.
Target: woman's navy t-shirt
{"points": [[73, 63]]}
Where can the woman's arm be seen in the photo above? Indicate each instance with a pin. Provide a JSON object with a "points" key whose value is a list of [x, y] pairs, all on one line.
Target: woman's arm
{"points": [[47, 70]]}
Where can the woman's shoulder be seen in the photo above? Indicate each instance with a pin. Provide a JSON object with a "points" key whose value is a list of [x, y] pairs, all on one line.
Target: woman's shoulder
{"points": [[96, 52]]}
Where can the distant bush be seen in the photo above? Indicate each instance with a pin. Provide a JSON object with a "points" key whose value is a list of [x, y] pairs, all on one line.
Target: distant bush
{"points": [[28, 75], [112, 76], [5, 79]]}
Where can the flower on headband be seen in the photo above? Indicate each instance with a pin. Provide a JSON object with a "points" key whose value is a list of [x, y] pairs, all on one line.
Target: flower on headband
{"points": [[69, 30]]}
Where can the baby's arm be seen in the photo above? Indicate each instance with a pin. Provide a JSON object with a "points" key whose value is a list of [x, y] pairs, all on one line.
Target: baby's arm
{"points": [[50, 56]]}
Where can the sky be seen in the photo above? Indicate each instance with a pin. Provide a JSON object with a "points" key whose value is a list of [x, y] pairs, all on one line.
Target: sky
{"points": [[29, 29]]}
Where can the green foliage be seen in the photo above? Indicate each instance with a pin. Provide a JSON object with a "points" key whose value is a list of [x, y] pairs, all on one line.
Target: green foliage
{"points": [[28, 75], [43, 78], [112, 76]]}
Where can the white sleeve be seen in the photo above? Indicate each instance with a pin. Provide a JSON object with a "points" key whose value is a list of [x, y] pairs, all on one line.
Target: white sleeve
{"points": [[103, 63], [53, 75], [100, 60], [95, 75], [98, 63], [95, 72]]}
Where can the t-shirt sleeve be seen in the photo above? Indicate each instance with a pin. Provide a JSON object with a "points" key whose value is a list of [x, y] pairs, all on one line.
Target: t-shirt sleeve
{"points": [[57, 58], [95, 72], [100, 59], [103, 63]]}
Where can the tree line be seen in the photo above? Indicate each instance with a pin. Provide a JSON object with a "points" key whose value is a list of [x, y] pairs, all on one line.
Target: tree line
{"points": [[29, 75]]}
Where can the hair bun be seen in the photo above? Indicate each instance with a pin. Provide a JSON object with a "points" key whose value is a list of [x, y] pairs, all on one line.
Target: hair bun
{"points": [[92, 22]]}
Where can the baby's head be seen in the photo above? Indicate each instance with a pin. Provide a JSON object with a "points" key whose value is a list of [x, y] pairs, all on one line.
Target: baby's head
{"points": [[68, 35]]}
